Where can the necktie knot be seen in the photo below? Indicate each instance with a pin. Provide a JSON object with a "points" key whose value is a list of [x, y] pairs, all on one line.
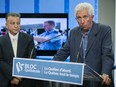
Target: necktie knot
{"points": [[14, 39]]}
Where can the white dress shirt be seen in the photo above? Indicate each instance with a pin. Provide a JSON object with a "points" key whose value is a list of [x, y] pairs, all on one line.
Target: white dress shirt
{"points": [[14, 41]]}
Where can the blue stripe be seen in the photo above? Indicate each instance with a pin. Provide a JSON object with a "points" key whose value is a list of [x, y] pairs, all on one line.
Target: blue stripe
{"points": [[96, 10], [36, 6], [7, 6], [66, 6]]}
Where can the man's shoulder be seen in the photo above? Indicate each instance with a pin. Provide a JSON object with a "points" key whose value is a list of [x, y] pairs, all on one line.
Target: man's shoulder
{"points": [[104, 27], [4, 36], [75, 28], [25, 35], [56, 31]]}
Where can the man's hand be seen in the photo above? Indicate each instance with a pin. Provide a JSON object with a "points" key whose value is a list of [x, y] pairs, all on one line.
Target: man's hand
{"points": [[106, 79], [15, 81]]}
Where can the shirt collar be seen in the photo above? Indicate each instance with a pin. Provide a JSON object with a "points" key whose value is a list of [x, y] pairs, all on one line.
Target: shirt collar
{"points": [[13, 36], [50, 31]]}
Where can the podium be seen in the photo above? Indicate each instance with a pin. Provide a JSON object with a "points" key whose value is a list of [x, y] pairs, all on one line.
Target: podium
{"points": [[54, 71], [91, 75]]}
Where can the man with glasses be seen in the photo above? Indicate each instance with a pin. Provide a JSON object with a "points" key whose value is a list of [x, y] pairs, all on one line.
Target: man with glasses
{"points": [[90, 43]]}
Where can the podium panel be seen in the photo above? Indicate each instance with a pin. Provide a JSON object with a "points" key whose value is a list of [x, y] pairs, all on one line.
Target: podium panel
{"points": [[56, 71]]}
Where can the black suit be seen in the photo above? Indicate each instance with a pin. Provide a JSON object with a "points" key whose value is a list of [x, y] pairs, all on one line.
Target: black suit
{"points": [[24, 47]]}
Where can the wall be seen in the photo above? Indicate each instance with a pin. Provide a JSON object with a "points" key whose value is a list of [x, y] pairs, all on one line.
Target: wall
{"points": [[106, 14]]}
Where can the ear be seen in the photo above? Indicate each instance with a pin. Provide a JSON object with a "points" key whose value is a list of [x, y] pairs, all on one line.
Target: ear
{"points": [[6, 25]]}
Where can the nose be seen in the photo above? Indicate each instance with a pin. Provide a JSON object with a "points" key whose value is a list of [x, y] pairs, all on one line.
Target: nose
{"points": [[16, 25], [82, 20]]}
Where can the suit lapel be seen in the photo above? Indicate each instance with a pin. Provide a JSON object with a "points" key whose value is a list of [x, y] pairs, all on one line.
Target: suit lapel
{"points": [[92, 36], [9, 45], [78, 38], [19, 48]]}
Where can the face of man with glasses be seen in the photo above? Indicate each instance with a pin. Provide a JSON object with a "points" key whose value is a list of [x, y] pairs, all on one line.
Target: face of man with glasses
{"points": [[84, 19]]}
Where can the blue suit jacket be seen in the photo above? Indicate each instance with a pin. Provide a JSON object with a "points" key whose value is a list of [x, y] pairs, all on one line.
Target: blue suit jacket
{"points": [[25, 45], [99, 54]]}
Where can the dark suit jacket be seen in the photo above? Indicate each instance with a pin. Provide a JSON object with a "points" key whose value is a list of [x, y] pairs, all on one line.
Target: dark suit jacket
{"points": [[25, 45], [99, 54]]}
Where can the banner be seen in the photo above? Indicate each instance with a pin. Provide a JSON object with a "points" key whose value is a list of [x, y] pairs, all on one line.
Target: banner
{"points": [[64, 72]]}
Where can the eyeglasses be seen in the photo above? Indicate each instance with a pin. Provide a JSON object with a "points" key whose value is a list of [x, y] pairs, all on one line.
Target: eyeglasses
{"points": [[85, 17]]}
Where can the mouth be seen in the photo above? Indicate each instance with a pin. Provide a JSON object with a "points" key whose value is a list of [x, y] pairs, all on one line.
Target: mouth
{"points": [[16, 29], [83, 26]]}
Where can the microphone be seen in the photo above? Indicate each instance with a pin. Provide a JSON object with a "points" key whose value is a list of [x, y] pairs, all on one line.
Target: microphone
{"points": [[46, 41], [31, 52], [79, 48]]}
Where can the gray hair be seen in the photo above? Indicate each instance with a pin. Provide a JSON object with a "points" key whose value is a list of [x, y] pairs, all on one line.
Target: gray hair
{"points": [[84, 6], [13, 15]]}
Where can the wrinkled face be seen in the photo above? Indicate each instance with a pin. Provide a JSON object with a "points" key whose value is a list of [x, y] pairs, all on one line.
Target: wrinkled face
{"points": [[48, 27], [13, 24], [84, 19]]}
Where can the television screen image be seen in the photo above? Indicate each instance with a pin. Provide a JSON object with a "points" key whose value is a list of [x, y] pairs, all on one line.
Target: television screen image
{"points": [[34, 24]]}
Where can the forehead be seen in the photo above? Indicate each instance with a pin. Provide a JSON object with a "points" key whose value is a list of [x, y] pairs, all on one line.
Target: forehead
{"points": [[46, 23], [13, 18], [81, 13]]}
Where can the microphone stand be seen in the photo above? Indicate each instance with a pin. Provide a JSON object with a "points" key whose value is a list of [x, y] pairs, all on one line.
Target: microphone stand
{"points": [[79, 48]]}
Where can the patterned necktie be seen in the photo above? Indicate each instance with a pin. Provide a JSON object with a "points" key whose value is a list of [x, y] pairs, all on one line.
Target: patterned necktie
{"points": [[14, 45]]}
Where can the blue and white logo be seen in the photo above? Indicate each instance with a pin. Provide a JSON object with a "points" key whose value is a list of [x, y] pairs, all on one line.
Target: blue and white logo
{"points": [[19, 67], [26, 67]]}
